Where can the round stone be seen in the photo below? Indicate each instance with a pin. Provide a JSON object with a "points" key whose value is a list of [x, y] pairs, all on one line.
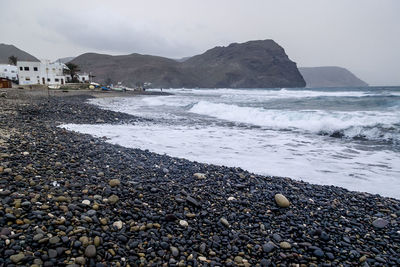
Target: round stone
{"points": [[17, 257], [54, 240], [113, 199], [118, 225], [319, 253], [114, 182], [86, 202], [97, 241], [285, 245], [90, 251], [52, 253], [174, 251], [183, 223], [282, 201], [224, 222], [268, 247], [199, 175], [80, 260], [380, 223], [238, 259]]}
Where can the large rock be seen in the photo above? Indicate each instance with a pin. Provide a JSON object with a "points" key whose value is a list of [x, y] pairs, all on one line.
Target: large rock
{"points": [[282, 201], [90, 251]]}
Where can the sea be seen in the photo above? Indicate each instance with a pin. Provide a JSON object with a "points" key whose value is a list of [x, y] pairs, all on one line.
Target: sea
{"points": [[347, 137]]}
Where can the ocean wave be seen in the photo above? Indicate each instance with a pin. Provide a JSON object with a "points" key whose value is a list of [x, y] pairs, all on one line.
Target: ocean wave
{"points": [[274, 93], [368, 124], [173, 101]]}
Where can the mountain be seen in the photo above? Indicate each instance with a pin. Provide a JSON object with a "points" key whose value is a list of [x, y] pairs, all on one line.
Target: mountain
{"points": [[132, 69], [9, 50], [261, 64], [253, 64], [65, 59], [330, 77]]}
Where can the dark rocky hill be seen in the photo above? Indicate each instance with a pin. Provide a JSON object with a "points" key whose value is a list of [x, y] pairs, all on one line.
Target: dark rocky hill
{"points": [[9, 50], [330, 77], [65, 59], [248, 65]]}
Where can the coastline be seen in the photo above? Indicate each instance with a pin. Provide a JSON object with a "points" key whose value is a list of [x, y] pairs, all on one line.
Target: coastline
{"points": [[160, 212]]}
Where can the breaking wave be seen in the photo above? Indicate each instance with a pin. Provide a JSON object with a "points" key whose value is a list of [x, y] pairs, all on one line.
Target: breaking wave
{"points": [[371, 125]]}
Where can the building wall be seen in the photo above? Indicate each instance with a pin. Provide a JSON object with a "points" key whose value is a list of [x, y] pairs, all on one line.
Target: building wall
{"points": [[9, 72], [43, 72], [29, 72]]}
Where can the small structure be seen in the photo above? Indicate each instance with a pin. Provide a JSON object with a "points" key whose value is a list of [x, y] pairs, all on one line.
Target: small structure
{"points": [[5, 83], [9, 72], [83, 78]]}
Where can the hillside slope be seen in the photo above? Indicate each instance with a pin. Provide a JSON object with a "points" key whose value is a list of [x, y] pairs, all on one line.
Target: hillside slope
{"points": [[330, 77], [10, 50]]}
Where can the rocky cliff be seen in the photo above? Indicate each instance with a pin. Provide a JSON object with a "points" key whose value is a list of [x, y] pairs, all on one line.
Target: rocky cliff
{"points": [[330, 77], [253, 64]]}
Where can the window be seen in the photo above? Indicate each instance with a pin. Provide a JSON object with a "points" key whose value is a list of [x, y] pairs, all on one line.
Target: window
{"points": [[26, 68], [35, 69], [5, 69], [27, 79], [21, 68], [48, 79], [56, 80], [83, 78], [13, 71]]}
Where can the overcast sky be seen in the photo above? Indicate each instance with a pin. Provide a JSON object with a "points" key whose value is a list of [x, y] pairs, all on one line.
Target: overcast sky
{"points": [[361, 35]]}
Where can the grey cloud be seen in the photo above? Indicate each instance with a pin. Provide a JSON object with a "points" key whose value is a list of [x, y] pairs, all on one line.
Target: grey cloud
{"points": [[111, 33]]}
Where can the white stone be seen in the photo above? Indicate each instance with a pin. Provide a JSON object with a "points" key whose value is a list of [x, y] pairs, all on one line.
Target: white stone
{"points": [[86, 202], [231, 198], [199, 175], [183, 223], [118, 224], [201, 258]]}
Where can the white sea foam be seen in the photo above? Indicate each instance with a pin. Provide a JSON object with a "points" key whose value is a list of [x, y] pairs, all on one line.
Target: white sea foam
{"points": [[207, 125], [288, 154]]}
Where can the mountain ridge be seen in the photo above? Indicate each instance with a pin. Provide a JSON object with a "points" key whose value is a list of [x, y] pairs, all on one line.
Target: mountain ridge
{"points": [[261, 63]]}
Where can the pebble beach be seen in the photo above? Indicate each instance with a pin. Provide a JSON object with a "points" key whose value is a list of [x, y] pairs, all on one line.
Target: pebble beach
{"points": [[69, 199]]}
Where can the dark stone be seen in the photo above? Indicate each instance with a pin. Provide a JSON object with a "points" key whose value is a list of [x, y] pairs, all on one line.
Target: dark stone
{"points": [[380, 223], [268, 247]]}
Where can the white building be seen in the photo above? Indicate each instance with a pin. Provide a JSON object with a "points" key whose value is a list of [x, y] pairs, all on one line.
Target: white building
{"points": [[43, 72], [83, 78], [54, 73], [9, 72], [29, 72]]}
